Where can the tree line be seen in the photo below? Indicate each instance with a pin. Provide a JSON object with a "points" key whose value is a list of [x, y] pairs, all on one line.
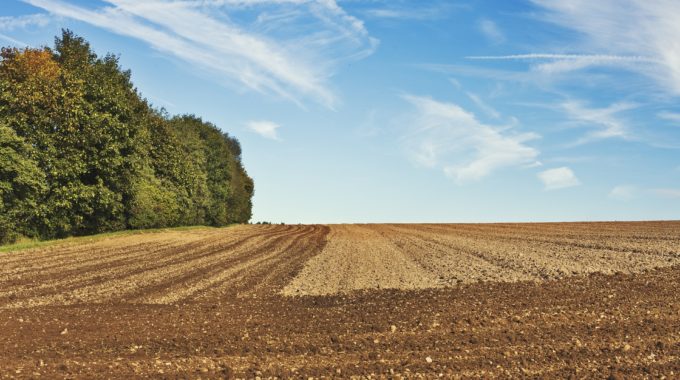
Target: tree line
{"points": [[82, 152]]}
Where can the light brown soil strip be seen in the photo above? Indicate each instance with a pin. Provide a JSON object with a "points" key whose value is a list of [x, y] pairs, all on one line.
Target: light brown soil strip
{"points": [[356, 257], [361, 257]]}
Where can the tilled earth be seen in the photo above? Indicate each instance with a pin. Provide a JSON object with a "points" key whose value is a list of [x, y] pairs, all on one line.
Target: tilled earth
{"points": [[433, 256], [582, 300]]}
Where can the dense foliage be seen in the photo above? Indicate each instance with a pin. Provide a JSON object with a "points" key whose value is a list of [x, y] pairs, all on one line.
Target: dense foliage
{"points": [[81, 152]]}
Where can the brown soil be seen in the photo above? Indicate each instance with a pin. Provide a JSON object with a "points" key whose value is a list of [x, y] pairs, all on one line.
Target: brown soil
{"points": [[379, 256], [207, 304], [160, 268]]}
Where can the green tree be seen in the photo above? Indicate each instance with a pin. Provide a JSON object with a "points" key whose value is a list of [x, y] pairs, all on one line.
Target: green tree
{"points": [[154, 204], [112, 126], [44, 105], [106, 160], [21, 185]]}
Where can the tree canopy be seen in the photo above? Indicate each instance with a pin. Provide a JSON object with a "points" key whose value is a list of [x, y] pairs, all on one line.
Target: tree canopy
{"points": [[82, 152]]}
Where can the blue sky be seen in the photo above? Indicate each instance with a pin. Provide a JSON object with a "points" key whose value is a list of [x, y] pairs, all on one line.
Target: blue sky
{"points": [[411, 111]]}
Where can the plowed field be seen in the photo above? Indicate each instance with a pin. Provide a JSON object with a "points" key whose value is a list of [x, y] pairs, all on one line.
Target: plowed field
{"points": [[586, 300]]}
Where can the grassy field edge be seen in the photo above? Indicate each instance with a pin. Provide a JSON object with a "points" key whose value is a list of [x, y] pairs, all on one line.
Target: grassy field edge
{"points": [[31, 243]]}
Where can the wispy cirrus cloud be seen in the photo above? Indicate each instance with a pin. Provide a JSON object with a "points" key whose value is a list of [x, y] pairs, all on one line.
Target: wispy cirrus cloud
{"points": [[405, 10], [670, 116], [500, 75], [403, 13], [9, 23], [491, 31], [633, 28], [490, 111], [12, 41], [572, 57], [606, 121], [446, 136], [547, 63], [293, 57]]}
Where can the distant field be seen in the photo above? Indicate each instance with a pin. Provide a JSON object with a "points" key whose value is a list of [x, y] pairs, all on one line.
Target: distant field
{"points": [[488, 300], [432, 256]]}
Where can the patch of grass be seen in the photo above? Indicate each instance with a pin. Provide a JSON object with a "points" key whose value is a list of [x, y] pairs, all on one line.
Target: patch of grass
{"points": [[26, 243]]}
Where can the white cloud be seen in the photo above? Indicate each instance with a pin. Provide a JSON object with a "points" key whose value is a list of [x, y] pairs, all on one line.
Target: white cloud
{"points": [[13, 41], [608, 124], [549, 64], [481, 72], [9, 23], [403, 10], [642, 28], [484, 106], [293, 57], [266, 129], [572, 159], [623, 193], [667, 193], [401, 14], [671, 116], [566, 57], [456, 83], [491, 31], [595, 58], [558, 178], [447, 136]]}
